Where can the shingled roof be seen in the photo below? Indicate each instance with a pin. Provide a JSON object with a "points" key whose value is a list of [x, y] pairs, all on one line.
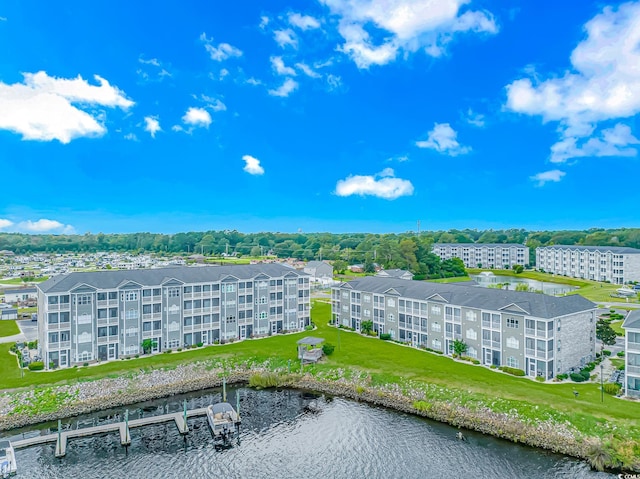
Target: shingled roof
{"points": [[156, 277], [532, 304]]}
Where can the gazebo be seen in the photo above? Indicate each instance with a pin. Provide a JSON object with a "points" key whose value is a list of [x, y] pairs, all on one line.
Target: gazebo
{"points": [[310, 349]]}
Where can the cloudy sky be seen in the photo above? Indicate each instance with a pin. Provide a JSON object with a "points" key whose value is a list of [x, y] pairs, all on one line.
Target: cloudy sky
{"points": [[329, 115]]}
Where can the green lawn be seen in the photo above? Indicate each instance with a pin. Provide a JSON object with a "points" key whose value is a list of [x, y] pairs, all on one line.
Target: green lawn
{"points": [[19, 280], [386, 362], [456, 279], [8, 327], [617, 327], [31, 309]]}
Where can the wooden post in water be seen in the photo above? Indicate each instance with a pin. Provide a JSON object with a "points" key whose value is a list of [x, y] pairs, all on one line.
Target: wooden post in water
{"points": [[185, 415], [238, 403], [126, 426], [224, 389]]}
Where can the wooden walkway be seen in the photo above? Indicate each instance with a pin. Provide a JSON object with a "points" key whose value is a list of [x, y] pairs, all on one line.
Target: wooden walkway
{"points": [[125, 438]]}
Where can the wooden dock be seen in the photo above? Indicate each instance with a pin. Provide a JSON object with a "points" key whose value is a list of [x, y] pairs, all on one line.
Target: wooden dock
{"points": [[60, 438]]}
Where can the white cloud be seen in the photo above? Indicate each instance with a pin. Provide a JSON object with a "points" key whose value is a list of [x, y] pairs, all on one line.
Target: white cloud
{"points": [[220, 52], [383, 185], [3, 19], [284, 90], [407, 25], [253, 81], [131, 137], [307, 70], [474, 118], [303, 22], [153, 70], [48, 108], [197, 117], [614, 141], [252, 165], [213, 103], [152, 125], [443, 139], [334, 81], [280, 68], [44, 226], [286, 37], [264, 21], [548, 176], [602, 85], [5, 223]]}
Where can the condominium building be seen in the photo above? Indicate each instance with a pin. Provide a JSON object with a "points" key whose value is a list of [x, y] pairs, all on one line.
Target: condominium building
{"points": [[107, 315], [614, 264], [487, 255], [541, 334], [631, 327]]}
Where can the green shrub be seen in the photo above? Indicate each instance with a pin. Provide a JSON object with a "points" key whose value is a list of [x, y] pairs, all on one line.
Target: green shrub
{"points": [[136, 356], [512, 371], [612, 388], [577, 378], [586, 374], [540, 379], [36, 366], [493, 366], [264, 380], [606, 352], [385, 336], [475, 361], [308, 328], [200, 344], [562, 377], [85, 364], [167, 351], [620, 354], [179, 349], [328, 349], [52, 365]]}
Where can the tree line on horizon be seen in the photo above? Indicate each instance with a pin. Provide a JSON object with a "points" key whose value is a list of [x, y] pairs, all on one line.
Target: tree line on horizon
{"points": [[404, 250]]}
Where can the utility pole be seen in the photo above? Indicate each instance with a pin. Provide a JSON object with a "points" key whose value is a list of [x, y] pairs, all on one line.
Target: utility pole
{"points": [[418, 227]]}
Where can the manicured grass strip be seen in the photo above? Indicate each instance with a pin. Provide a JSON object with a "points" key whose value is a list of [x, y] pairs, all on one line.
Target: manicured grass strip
{"points": [[9, 370], [8, 327], [455, 279], [19, 280], [617, 327]]}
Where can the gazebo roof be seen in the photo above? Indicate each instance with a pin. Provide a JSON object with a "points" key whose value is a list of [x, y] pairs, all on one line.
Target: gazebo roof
{"points": [[310, 340]]}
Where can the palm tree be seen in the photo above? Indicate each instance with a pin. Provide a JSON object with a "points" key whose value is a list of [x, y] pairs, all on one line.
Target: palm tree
{"points": [[460, 347], [366, 327], [147, 345]]}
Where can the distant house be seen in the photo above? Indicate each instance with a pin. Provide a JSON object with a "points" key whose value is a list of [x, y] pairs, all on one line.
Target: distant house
{"points": [[20, 294], [356, 268], [319, 270], [8, 313], [631, 327], [395, 273]]}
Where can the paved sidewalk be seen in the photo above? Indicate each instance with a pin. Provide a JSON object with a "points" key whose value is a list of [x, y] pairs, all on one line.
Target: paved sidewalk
{"points": [[14, 338]]}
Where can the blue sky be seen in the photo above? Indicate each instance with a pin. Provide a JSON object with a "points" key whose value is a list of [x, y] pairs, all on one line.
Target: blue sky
{"points": [[343, 116]]}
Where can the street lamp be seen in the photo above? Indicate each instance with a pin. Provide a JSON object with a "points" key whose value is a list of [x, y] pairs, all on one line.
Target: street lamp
{"points": [[601, 381]]}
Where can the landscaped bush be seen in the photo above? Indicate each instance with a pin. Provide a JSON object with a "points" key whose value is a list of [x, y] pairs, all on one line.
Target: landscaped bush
{"points": [[620, 354], [264, 380], [179, 349], [606, 352], [475, 361], [200, 344], [577, 378], [585, 374], [385, 336], [85, 364], [493, 366], [137, 356], [540, 379], [167, 351], [308, 328], [562, 377], [328, 349], [36, 366], [612, 388], [33, 344], [513, 371]]}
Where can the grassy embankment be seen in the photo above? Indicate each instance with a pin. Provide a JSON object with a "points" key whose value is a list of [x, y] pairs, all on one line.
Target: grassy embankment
{"points": [[8, 327], [19, 281], [592, 290], [384, 362]]}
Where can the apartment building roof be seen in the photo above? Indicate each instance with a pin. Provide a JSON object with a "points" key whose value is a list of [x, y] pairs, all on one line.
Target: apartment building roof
{"points": [[488, 245], [532, 304], [613, 249], [155, 277], [20, 290], [632, 321]]}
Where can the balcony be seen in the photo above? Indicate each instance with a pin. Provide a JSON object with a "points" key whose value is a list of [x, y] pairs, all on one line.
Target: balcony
{"points": [[631, 346], [633, 370], [491, 344]]}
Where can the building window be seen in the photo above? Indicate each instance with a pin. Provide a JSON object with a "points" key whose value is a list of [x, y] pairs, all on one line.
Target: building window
{"points": [[229, 288], [472, 352], [131, 296], [471, 316], [83, 299], [174, 292], [472, 334], [391, 302], [391, 317], [513, 343], [435, 309], [436, 327], [512, 362], [437, 344], [263, 315], [513, 323]]}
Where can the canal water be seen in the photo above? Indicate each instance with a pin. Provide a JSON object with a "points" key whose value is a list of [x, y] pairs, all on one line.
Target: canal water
{"points": [[487, 280], [290, 434]]}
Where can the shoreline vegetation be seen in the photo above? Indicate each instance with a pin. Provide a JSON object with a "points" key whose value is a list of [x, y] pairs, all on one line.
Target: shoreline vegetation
{"points": [[547, 416]]}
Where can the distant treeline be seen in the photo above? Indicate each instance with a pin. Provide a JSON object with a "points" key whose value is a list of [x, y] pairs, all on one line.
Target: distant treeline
{"points": [[406, 250]]}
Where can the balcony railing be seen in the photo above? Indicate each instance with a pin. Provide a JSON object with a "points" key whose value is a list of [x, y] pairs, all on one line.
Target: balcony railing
{"points": [[633, 370], [631, 346]]}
